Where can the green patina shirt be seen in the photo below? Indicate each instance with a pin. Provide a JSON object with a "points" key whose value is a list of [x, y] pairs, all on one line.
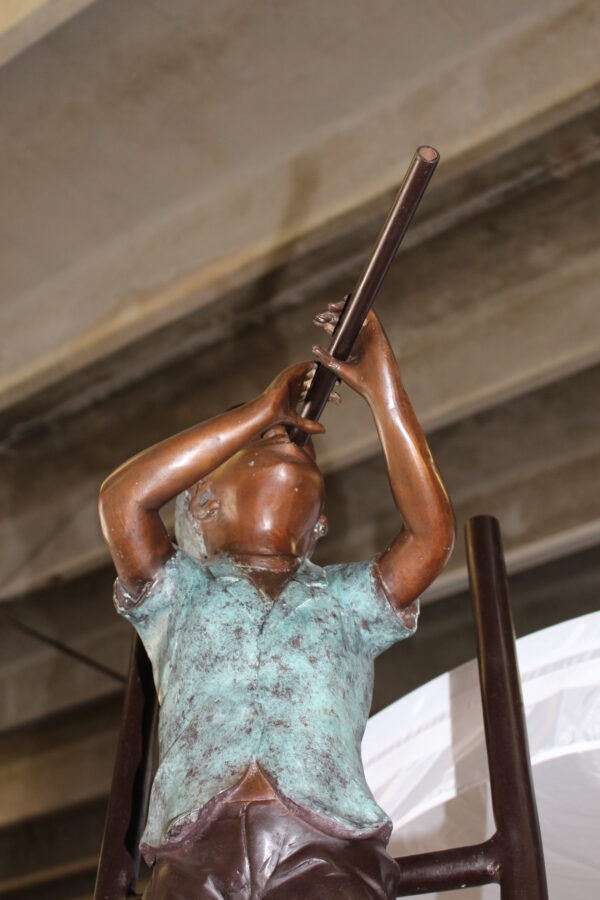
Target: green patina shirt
{"points": [[285, 684]]}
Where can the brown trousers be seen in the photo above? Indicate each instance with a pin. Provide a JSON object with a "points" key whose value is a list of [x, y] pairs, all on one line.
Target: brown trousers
{"points": [[262, 850]]}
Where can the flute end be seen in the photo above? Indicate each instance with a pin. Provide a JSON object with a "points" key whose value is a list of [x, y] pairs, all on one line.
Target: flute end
{"points": [[428, 154]]}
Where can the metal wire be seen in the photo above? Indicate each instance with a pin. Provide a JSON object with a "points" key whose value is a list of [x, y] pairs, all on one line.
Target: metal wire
{"points": [[62, 648]]}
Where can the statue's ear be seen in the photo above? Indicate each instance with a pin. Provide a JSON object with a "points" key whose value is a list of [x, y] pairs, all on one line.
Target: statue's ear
{"points": [[203, 502], [188, 530], [207, 510]]}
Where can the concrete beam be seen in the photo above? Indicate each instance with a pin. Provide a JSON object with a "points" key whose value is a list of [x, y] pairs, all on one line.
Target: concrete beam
{"points": [[48, 849], [24, 22], [489, 310], [328, 261], [172, 208], [78, 886], [64, 761], [37, 681]]}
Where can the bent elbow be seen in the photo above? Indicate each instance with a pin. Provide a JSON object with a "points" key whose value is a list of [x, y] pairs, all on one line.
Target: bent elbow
{"points": [[448, 534], [444, 536], [438, 544], [115, 510], [106, 502]]}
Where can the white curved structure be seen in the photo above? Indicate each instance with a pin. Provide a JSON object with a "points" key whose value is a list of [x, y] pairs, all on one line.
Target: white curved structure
{"points": [[426, 763]]}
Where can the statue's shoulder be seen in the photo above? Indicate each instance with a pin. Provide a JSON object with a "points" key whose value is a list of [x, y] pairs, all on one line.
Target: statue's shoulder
{"points": [[182, 573]]}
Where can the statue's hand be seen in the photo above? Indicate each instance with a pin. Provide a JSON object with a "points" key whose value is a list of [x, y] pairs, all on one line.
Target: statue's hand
{"points": [[285, 393], [372, 362]]}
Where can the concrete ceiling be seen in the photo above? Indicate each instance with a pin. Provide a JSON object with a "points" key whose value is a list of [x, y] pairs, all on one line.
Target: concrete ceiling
{"points": [[155, 153], [24, 22], [184, 186]]}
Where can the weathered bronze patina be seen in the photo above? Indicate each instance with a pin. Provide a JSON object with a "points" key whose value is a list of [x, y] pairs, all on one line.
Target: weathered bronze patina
{"points": [[263, 662]]}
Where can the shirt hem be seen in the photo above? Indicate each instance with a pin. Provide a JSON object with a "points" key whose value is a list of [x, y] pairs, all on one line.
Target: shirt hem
{"points": [[190, 826]]}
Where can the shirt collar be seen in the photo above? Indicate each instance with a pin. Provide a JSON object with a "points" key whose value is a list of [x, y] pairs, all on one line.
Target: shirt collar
{"points": [[307, 572]]}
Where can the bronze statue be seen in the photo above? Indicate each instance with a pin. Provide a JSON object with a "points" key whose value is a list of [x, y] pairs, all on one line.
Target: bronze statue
{"points": [[262, 661]]}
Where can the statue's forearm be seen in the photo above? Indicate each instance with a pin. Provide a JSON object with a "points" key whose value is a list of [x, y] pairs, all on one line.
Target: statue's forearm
{"points": [[421, 549], [158, 474]]}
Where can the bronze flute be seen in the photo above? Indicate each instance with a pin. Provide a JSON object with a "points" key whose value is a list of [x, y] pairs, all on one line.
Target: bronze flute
{"points": [[367, 287]]}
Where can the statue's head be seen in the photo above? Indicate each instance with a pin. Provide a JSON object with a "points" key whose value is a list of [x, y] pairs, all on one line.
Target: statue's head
{"points": [[266, 500]]}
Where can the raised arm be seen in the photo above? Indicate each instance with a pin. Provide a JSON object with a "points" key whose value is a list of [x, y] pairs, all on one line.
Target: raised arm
{"points": [[422, 547], [131, 497]]}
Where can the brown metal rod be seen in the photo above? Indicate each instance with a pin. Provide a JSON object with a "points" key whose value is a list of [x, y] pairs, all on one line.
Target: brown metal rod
{"points": [[523, 875], [130, 789], [446, 870], [514, 855], [367, 287]]}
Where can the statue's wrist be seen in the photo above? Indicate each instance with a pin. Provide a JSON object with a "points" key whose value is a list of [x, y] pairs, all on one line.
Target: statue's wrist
{"points": [[268, 411], [384, 395]]}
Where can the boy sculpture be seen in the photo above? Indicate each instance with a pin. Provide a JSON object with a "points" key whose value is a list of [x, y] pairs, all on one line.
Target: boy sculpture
{"points": [[263, 662]]}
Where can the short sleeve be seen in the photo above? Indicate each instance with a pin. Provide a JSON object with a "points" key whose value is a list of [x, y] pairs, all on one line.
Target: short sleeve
{"points": [[158, 612], [378, 625]]}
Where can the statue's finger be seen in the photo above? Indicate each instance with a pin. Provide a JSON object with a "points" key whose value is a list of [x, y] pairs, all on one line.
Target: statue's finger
{"points": [[329, 361], [309, 426], [323, 317]]}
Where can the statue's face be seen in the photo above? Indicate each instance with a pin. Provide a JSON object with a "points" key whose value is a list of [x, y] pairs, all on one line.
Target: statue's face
{"points": [[266, 500]]}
